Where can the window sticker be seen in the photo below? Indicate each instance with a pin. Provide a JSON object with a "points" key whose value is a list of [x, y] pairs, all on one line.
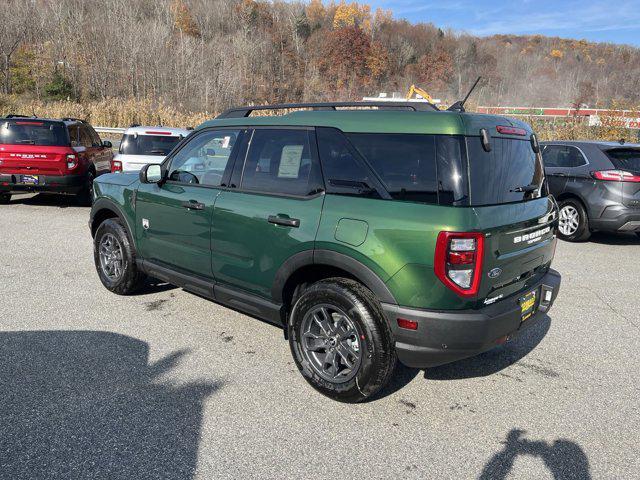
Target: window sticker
{"points": [[225, 142], [290, 161]]}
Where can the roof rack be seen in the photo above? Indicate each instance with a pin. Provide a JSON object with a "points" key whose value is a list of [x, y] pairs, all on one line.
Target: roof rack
{"points": [[240, 112], [15, 115], [71, 119]]}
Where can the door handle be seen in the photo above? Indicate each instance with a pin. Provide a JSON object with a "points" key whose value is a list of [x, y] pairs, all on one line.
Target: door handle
{"points": [[558, 174], [284, 221], [193, 205]]}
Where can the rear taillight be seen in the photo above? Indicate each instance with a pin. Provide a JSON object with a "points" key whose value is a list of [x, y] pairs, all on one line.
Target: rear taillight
{"points": [[72, 161], [458, 261], [116, 166], [615, 176]]}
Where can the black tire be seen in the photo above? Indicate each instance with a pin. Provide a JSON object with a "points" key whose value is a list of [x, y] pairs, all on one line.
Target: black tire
{"points": [[130, 278], [579, 233], [85, 197], [377, 357], [638, 234], [5, 198]]}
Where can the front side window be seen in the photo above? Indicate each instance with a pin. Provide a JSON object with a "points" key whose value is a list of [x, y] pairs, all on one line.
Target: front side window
{"points": [[510, 172], [405, 163], [280, 161], [205, 158]]}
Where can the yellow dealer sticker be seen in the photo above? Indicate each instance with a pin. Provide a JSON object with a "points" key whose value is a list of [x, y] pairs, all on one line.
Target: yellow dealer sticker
{"points": [[527, 305]]}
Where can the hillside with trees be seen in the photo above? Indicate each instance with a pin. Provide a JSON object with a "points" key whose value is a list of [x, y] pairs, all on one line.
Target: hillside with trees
{"points": [[206, 55]]}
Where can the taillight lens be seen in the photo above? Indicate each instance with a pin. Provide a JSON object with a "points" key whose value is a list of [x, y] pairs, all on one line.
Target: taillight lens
{"points": [[458, 261], [72, 161], [116, 166], [616, 176]]}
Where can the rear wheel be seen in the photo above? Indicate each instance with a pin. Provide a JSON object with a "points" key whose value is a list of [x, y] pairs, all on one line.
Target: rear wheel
{"points": [[5, 198], [574, 223], [115, 260], [85, 197], [340, 340]]}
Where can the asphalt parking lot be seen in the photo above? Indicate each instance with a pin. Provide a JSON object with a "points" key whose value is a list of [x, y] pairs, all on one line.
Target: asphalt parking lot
{"points": [[165, 384]]}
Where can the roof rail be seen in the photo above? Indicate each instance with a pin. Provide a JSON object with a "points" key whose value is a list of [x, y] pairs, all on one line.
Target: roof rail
{"points": [[15, 115], [240, 112], [71, 119]]}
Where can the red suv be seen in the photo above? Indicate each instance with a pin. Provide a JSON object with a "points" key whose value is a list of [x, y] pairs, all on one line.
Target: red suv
{"points": [[50, 155]]}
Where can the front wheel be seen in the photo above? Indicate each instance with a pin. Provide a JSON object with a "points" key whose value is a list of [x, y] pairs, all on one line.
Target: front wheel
{"points": [[574, 223], [5, 198], [114, 257], [340, 340]]}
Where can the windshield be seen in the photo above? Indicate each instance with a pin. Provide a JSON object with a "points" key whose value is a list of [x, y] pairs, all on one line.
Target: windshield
{"points": [[159, 145], [625, 158], [33, 132], [510, 172]]}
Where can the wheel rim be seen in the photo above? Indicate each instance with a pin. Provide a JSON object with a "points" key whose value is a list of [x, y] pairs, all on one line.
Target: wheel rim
{"points": [[331, 343], [111, 257], [569, 220]]}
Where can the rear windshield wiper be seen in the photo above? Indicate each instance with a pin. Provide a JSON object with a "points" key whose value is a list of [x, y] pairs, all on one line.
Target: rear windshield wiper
{"points": [[30, 142], [525, 188]]}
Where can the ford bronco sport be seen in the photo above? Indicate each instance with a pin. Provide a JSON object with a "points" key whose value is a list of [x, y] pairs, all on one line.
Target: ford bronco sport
{"points": [[50, 155], [370, 235]]}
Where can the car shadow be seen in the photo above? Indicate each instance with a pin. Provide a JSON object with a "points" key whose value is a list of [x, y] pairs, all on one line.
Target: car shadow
{"points": [[565, 459], [494, 360], [45, 200], [607, 238], [88, 404], [153, 285]]}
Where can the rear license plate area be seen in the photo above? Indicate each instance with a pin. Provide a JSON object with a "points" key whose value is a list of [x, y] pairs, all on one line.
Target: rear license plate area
{"points": [[528, 305], [30, 179]]}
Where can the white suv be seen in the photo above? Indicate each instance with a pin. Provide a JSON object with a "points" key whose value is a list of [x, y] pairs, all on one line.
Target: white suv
{"points": [[143, 145]]}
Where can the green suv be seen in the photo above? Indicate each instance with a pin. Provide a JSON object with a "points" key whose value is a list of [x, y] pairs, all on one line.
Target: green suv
{"points": [[371, 235]]}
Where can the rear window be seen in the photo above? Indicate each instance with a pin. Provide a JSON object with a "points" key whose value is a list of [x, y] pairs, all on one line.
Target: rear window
{"points": [[159, 145], [510, 172], [33, 132], [625, 158]]}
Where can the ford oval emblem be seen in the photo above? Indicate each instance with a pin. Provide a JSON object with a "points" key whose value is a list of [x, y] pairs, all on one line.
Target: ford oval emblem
{"points": [[495, 273]]}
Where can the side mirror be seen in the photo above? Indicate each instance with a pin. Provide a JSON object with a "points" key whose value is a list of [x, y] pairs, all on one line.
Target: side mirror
{"points": [[107, 144], [151, 173]]}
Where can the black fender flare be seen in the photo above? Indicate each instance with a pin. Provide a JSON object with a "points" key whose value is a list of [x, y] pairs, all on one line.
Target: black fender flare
{"points": [[108, 204], [361, 272]]}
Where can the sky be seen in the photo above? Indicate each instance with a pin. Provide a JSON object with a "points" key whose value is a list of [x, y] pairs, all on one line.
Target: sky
{"points": [[615, 21]]}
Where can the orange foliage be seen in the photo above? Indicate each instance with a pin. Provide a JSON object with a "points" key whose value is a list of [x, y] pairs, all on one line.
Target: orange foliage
{"points": [[183, 19]]}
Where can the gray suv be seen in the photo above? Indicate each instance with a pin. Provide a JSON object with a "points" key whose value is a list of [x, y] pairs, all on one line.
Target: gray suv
{"points": [[596, 184]]}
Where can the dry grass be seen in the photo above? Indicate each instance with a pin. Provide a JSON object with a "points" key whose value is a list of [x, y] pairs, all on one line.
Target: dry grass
{"points": [[122, 113]]}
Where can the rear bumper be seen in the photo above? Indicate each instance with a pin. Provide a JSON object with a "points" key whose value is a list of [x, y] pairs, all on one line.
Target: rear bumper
{"points": [[10, 183], [446, 336], [617, 218]]}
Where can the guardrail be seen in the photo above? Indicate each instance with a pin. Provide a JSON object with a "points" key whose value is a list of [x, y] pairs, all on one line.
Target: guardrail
{"points": [[109, 130]]}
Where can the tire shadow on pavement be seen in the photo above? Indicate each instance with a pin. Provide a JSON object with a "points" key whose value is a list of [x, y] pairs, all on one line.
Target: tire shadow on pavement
{"points": [[46, 200], [494, 360], [565, 459], [84, 404], [606, 238]]}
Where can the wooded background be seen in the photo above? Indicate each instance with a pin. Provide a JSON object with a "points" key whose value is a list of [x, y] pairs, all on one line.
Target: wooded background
{"points": [[203, 56]]}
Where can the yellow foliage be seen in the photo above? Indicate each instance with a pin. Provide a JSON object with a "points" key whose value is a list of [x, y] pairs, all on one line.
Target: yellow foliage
{"points": [[555, 53], [352, 14], [315, 12]]}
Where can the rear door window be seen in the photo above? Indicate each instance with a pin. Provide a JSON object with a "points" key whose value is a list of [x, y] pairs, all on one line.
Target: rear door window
{"points": [[33, 132], [510, 172], [562, 156], [281, 161], [405, 163], [625, 158]]}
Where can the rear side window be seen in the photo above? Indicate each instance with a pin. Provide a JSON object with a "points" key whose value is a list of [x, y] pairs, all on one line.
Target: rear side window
{"points": [[625, 158], [562, 156], [280, 161], [159, 145], [405, 163], [510, 172], [33, 132]]}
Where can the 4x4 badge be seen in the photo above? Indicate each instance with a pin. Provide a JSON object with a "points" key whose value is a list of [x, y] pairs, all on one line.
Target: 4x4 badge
{"points": [[495, 273]]}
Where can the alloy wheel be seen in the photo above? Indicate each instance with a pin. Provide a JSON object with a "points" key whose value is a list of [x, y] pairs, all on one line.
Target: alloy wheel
{"points": [[331, 343], [569, 220], [111, 257]]}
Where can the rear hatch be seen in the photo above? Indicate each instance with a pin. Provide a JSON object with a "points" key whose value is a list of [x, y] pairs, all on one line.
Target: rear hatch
{"points": [[627, 161], [513, 210], [33, 147]]}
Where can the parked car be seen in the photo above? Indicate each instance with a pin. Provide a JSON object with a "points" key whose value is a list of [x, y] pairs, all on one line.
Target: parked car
{"points": [[50, 155], [143, 145], [366, 234], [597, 185]]}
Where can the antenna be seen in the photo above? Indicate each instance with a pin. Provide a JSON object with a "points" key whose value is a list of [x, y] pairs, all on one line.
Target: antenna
{"points": [[459, 105]]}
